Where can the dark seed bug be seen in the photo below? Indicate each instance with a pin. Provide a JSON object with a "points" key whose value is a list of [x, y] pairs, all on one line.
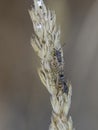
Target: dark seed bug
{"points": [[62, 83], [57, 53]]}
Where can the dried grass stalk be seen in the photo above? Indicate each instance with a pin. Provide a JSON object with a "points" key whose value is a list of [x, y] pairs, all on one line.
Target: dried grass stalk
{"points": [[46, 43]]}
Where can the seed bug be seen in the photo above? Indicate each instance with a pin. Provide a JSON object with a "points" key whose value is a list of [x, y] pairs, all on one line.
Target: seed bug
{"points": [[62, 83], [57, 53]]}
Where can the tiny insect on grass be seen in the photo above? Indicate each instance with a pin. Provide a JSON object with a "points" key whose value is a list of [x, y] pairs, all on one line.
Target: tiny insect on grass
{"points": [[58, 54]]}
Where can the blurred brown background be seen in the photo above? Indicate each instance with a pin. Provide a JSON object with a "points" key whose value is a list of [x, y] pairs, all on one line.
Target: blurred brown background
{"points": [[24, 102]]}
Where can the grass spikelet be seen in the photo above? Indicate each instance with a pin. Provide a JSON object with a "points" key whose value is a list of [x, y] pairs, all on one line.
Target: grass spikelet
{"points": [[46, 44]]}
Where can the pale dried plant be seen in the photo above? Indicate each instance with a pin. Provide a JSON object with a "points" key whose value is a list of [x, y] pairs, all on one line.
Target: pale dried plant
{"points": [[46, 42]]}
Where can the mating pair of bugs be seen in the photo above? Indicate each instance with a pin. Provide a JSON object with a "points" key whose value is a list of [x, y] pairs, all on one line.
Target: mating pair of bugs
{"points": [[60, 72]]}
